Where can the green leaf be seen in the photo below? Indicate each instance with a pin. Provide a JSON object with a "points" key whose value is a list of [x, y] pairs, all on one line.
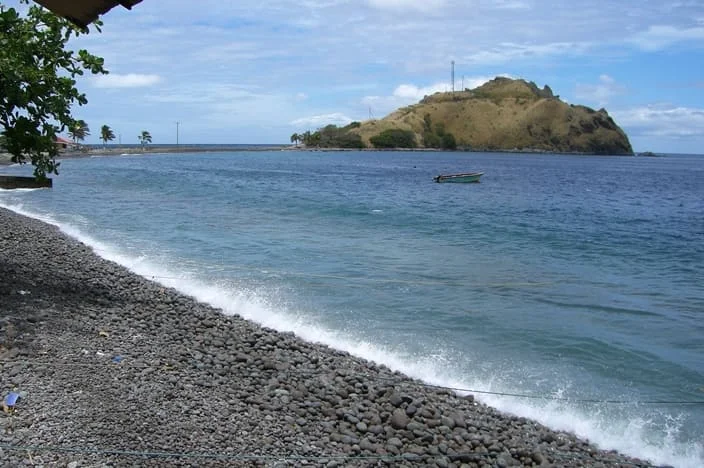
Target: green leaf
{"points": [[37, 85]]}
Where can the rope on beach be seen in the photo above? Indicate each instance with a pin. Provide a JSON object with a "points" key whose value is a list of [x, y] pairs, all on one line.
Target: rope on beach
{"points": [[131, 364], [556, 398], [467, 456]]}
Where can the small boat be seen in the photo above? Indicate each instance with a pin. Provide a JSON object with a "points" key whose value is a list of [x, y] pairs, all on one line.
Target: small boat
{"points": [[459, 178]]}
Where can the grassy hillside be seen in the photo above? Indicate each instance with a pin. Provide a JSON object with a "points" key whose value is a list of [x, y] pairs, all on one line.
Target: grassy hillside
{"points": [[504, 114]]}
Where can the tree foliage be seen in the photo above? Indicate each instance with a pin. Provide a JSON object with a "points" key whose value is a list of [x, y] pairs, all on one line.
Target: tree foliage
{"points": [[437, 136], [106, 134], [427, 124], [37, 83], [332, 136], [310, 139], [79, 131], [449, 141], [394, 138], [144, 138], [431, 140]]}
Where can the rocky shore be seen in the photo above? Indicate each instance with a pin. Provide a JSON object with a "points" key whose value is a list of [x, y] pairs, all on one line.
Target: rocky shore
{"points": [[116, 370]]}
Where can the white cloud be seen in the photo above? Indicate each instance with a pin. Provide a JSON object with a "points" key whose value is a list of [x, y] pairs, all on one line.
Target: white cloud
{"points": [[318, 4], [407, 94], [661, 37], [475, 81], [511, 52], [131, 80], [511, 5], [403, 95], [414, 93], [662, 120], [419, 5], [600, 93], [227, 66], [318, 121]]}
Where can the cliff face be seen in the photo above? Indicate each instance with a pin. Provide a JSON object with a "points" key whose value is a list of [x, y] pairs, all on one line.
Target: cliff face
{"points": [[506, 114]]}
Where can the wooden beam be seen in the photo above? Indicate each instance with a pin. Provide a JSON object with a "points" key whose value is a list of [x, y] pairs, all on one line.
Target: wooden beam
{"points": [[83, 12]]}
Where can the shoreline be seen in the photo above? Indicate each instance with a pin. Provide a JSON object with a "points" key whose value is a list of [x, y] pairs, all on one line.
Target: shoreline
{"points": [[116, 367], [92, 151], [153, 149]]}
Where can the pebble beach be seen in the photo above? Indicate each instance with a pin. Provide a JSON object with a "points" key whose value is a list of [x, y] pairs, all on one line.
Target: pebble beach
{"points": [[113, 369]]}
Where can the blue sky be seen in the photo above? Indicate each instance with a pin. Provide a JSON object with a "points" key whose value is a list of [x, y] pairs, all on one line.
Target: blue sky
{"points": [[250, 71]]}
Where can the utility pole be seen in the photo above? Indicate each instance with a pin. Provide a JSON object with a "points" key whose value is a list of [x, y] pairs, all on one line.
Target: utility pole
{"points": [[177, 124]]}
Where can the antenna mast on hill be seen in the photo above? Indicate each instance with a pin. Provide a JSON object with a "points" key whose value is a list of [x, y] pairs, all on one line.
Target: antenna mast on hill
{"points": [[452, 77]]}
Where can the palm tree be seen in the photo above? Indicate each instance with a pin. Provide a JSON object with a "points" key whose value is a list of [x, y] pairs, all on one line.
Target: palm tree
{"points": [[79, 131], [295, 138], [145, 138], [106, 134]]}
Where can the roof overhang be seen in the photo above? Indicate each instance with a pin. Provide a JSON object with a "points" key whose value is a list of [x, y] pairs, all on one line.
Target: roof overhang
{"points": [[84, 12]]}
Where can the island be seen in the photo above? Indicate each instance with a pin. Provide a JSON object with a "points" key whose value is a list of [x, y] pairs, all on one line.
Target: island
{"points": [[501, 115]]}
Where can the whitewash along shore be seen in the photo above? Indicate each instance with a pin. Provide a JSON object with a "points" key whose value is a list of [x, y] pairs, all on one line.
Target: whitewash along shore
{"points": [[116, 370]]}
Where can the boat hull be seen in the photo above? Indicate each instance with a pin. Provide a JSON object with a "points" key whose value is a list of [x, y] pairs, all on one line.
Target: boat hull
{"points": [[459, 178]]}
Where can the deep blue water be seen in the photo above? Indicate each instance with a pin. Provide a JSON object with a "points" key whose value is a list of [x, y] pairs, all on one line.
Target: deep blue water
{"points": [[571, 277]]}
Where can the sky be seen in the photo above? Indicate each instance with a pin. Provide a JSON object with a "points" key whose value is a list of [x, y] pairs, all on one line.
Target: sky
{"points": [[256, 71]]}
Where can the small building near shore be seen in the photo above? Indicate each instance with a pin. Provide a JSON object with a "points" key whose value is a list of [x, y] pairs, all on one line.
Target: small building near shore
{"points": [[62, 144]]}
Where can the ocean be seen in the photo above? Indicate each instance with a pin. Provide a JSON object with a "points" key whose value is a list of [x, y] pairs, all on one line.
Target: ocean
{"points": [[568, 289]]}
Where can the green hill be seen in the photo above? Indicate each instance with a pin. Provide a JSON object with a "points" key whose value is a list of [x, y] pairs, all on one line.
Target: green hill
{"points": [[503, 114]]}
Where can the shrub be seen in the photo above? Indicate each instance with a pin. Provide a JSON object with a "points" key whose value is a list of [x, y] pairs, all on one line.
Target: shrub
{"points": [[440, 129], [394, 138], [448, 141], [349, 140], [427, 124], [431, 140]]}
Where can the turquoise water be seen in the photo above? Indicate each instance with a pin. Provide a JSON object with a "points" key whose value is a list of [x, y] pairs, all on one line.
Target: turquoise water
{"points": [[568, 277]]}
